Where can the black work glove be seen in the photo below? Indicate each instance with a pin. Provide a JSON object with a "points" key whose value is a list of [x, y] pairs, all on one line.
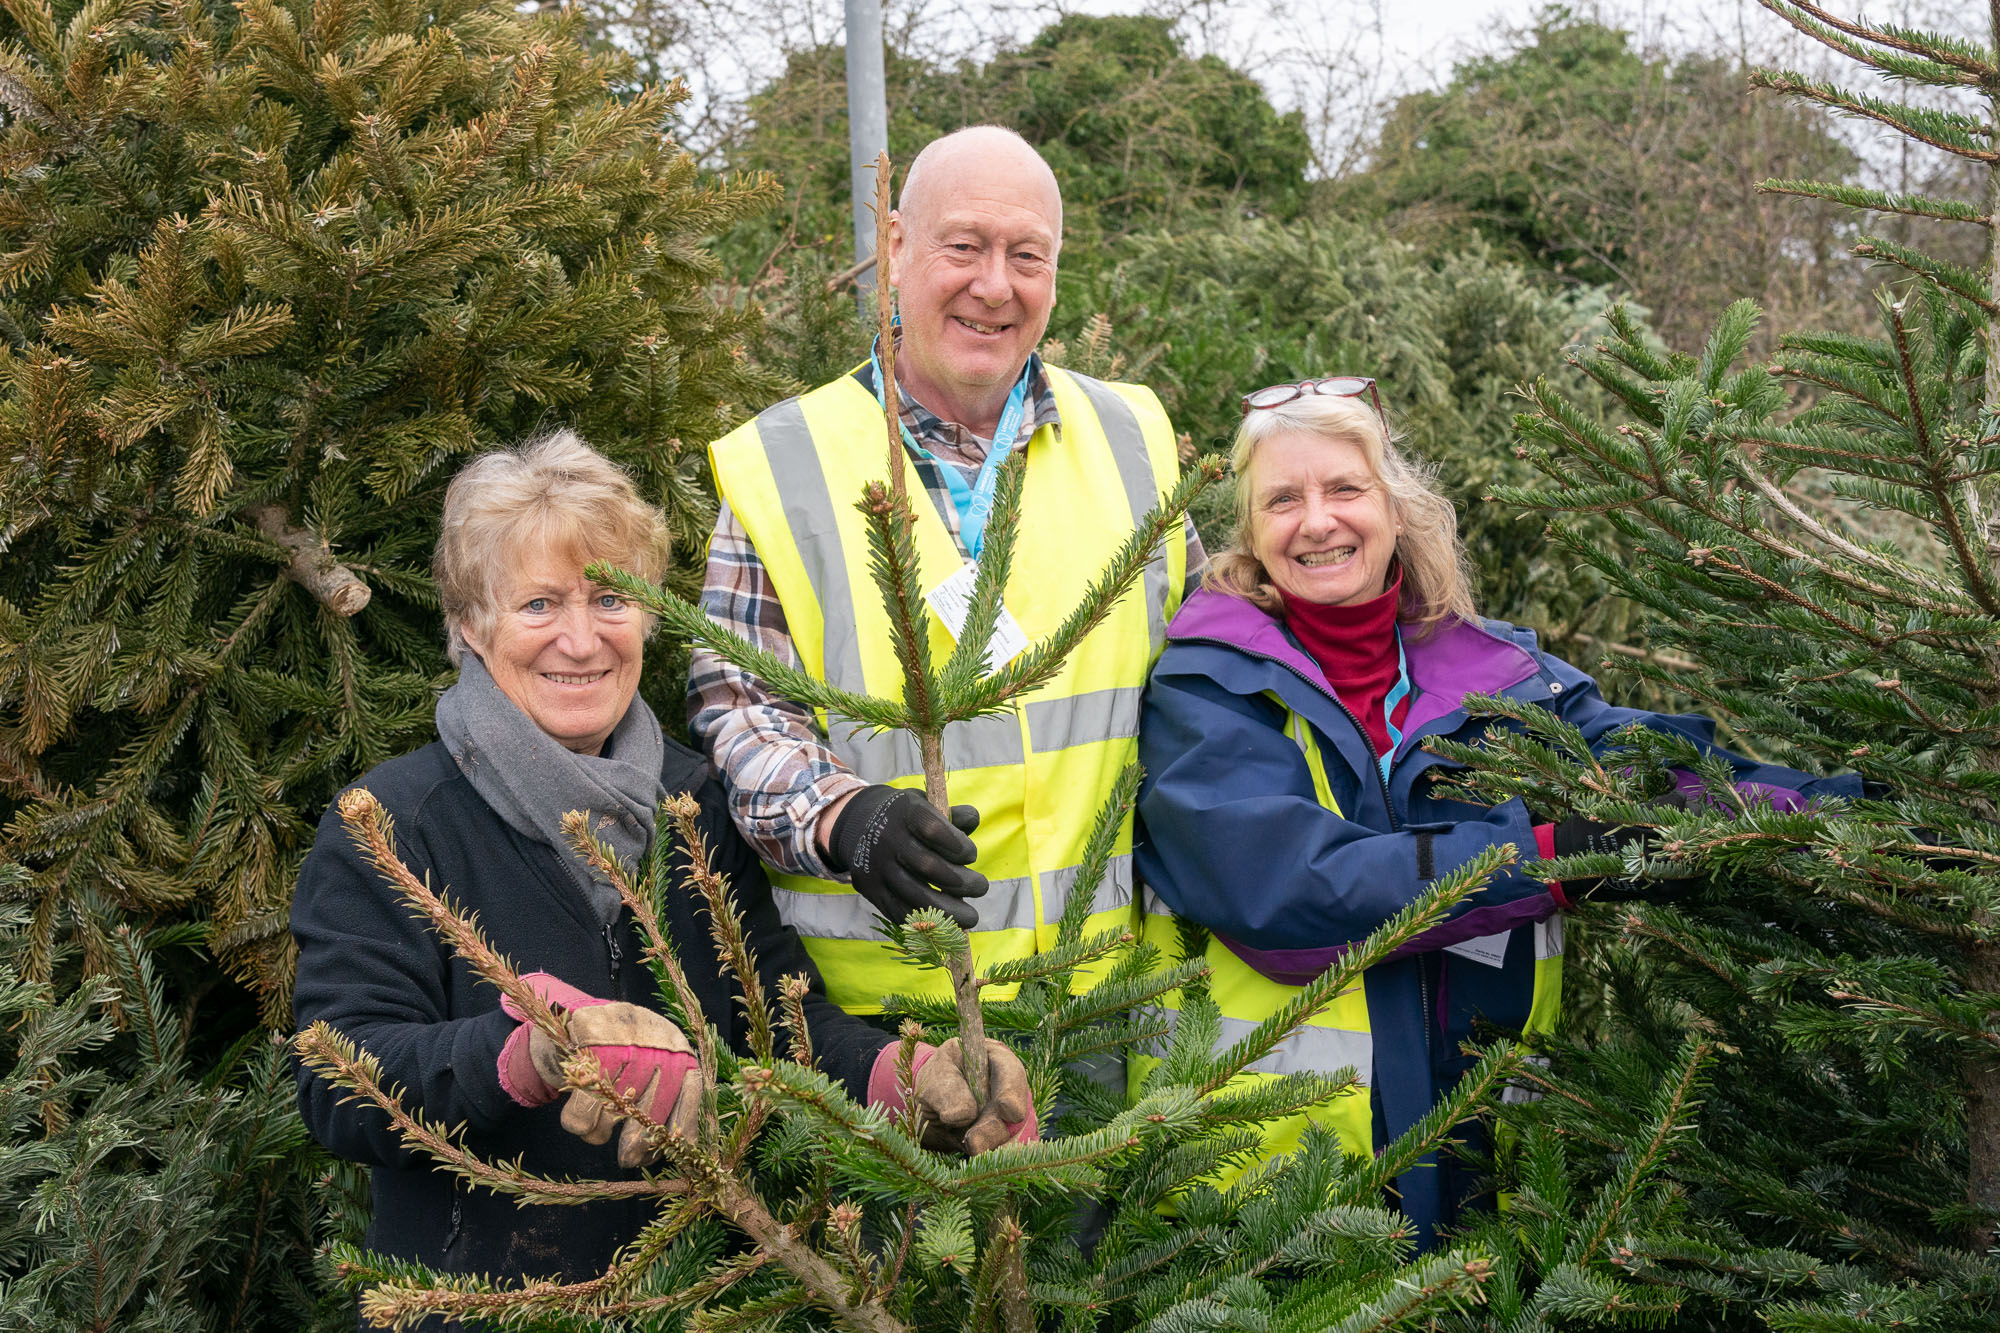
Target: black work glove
{"points": [[1578, 836], [902, 854]]}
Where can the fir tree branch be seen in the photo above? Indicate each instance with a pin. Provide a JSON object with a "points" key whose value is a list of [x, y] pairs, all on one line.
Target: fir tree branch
{"points": [[1676, 1107], [1039, 664], [1786, 505], [891, 1151], [694, 1022], [732, 949], [1967, 64], [1500, 1065], [893, 561], [1703, 557], [1423, 913], [996, 562], [373, 833], [688, 621], [331, 1055], [1878, 201], [1971, 567], [792, 991], [814, 1273], [1955, 279], [1944, 131], [885, 327], [1443, 1280]]}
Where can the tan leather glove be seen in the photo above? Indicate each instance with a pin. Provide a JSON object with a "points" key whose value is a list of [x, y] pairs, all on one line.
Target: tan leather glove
{"points": [[650, 1060], [961, 1124]]}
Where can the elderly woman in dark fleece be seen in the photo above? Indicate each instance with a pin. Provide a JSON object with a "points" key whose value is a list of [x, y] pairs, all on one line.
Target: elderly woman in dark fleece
{"points": [[546, 718], [1289, 803]]}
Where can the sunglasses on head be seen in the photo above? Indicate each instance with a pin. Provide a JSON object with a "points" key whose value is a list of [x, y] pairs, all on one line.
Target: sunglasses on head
{"points": [[1332, 386]]}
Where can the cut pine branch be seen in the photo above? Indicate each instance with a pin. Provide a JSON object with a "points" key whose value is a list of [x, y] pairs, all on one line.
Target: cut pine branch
{"points": [[311, 563]]}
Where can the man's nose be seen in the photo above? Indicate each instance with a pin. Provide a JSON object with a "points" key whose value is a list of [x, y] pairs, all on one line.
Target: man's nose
{"points": [[991, 283]]}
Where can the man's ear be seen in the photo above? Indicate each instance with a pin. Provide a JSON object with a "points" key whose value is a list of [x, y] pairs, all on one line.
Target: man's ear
{"points": [[895, 246]]}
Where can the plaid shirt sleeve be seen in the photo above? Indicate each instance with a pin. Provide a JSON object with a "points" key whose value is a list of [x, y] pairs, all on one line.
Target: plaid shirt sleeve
{"points": [[773, 756], [1197, 561]]}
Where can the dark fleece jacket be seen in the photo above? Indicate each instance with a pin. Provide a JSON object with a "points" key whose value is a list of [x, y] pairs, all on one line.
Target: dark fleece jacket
{"points": [[377, 974]]}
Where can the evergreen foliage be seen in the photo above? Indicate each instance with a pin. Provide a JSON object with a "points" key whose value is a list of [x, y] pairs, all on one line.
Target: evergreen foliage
{"points": [[267, 273], [842, 1219], [1599, 164], [145, 1193], [1843, 960]]}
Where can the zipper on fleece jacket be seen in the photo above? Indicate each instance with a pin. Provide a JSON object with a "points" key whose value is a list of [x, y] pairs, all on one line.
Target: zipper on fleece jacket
{"points": [[1375, 767], [612, 951]]}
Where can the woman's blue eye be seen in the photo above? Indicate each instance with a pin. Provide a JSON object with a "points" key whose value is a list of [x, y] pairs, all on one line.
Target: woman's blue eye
{"points": [[536, 606], [610, 601]]}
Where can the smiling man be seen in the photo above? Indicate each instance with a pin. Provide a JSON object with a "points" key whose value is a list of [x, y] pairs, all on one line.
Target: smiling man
{"points": [[833, 812]]}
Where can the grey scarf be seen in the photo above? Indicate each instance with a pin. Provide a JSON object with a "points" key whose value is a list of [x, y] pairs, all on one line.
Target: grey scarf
{"points": [[531, 781]]}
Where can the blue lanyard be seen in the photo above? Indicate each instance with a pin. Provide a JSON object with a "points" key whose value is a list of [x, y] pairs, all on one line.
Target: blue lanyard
{"points": [[973, 501], [1396, 696]]}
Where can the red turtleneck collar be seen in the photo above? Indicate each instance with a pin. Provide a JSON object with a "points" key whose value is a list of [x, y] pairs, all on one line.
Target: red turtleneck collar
{"points": [[1355, 645]]}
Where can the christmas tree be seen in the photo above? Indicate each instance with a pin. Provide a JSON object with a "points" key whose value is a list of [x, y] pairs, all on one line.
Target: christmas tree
{"points": [[268, 271], [1815, 544]]}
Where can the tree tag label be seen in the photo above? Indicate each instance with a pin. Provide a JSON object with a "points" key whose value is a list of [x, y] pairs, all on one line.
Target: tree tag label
{"points": [[952, 600], [1488, 949]]}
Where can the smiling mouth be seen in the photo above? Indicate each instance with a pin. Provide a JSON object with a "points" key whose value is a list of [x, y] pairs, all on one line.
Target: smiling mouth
{"points": [[977, 327], [575, 677], [1339, 555]]}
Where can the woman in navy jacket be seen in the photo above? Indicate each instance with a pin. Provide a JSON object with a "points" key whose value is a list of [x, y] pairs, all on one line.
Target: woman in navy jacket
{"points": [[545, 718], [1288, 803]]}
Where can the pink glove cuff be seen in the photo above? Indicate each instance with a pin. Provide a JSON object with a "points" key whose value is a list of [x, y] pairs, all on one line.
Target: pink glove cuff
{"points": [[1545, 847], [882, 1089], [519, 1078]]}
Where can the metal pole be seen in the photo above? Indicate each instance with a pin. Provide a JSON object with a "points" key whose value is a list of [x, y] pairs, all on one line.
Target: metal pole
{"points": [[867, 122]]}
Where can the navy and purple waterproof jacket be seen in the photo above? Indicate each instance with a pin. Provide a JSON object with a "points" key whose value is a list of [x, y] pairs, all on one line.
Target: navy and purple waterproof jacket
{"points": [[1235, 839]]}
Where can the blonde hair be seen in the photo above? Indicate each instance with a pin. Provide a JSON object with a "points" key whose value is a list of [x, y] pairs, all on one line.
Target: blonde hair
{"points": [[1437, 586], [552, 495]]}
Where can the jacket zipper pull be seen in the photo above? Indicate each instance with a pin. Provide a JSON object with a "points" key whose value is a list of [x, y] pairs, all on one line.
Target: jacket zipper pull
{"points": [[611, 949], [457, 1214]]}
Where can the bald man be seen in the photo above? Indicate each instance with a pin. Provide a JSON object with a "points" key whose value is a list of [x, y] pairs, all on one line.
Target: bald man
{"points": [[839, 815]]}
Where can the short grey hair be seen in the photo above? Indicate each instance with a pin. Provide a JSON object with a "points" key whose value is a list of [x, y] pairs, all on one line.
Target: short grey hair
{"points": [[553, 494]]}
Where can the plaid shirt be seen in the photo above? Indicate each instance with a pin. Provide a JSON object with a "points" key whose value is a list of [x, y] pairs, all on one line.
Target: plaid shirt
{"points": [[772, 753]]}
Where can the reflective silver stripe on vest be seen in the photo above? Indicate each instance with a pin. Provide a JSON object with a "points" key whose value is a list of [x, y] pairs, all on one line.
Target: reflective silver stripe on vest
{"points": [[1009, 904], [1142, 492], [1114, 891], [1549, 938], [979, 743], [809, 516], [1101, 715], [1309, 1050]]}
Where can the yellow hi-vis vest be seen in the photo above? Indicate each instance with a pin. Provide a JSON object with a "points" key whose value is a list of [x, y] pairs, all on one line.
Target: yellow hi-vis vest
{"points": [[1039, 772], [1338, 1037]]}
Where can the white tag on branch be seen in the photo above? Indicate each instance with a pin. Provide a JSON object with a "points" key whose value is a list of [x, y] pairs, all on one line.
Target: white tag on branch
{"points": [[1488, 949], [952, 600]]}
